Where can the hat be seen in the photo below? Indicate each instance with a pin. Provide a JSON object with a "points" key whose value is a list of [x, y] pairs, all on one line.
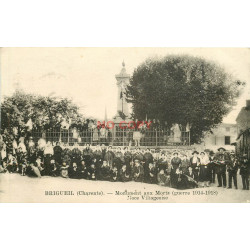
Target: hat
{"points": [[195, 152], [157, 150], [232, 153], [202, 153], [221, 148], [211, 153], [207, 150]]}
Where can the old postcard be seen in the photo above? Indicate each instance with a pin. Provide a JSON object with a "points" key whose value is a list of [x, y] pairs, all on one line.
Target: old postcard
{"points": [[125, 125]]}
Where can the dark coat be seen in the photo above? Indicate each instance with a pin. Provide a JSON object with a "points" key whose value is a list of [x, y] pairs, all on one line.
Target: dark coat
{"points": [[152, 175], [184, 166], [123, 176], [138, 156], [74, 172], [204, 174], [221, 161], [87, 156], [233, 166], [194, 165], [175, 162], [109, 157], [104, 173], [162, 164], [245, 168], [91, 173], [58, 154], [163, 179], [138, 173]]}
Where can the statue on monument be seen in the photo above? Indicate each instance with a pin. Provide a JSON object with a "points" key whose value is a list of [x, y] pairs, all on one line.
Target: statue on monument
{"points": [[122, 105]]}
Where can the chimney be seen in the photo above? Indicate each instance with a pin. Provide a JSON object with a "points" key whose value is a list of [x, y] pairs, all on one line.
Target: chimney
{"points": [[248, 103]]}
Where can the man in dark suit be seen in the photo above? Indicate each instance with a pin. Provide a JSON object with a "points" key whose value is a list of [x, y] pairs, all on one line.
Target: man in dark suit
{"points": [[221, 161], [87, 155], [58, 154], [127, 160], [244, 172], [212, 167], [232, 169], [148, 158]]}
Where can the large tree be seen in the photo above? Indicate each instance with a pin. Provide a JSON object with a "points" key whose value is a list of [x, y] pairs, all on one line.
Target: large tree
{"points": [[43, 112], [183, 90]]}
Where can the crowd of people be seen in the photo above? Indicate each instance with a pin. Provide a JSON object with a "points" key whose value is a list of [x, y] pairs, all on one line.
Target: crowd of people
{"points": [[176, 169]]}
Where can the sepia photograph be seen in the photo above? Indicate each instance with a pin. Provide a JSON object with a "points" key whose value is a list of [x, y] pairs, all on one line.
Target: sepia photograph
{"points": [[125, 125]]}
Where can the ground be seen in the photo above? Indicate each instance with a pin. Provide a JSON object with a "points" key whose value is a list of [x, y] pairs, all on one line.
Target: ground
{"points": [[17, 188]]}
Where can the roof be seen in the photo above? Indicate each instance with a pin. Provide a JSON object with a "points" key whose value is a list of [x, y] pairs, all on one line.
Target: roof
{"points": [[243, 111]]}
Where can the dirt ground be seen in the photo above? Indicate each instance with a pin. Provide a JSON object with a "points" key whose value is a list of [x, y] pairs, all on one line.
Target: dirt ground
{"points": [[17, 188]]}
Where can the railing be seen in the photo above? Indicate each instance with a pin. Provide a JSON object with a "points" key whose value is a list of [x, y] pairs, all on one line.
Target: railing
{"points": [[116, 136]]}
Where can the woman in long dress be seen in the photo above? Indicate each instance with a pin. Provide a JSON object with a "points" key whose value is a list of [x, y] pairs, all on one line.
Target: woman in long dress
{"points": [[204, 176]]}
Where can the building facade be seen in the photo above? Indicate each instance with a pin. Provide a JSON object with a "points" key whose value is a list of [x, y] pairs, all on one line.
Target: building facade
{"points": [[222, 136], [243, 127]]}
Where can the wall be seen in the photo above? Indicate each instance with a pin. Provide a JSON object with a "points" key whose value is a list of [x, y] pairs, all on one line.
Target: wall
{"points": [[217, 138]]}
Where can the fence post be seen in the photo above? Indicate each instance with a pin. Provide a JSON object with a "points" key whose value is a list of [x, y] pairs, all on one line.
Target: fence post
{"points": [[91, 136], [68, 136], [156, 138], [60, 135], [123, 137]]}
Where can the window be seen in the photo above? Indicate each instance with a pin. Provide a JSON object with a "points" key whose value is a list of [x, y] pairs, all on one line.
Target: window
{"points": [[228, 129], [227, 140]]}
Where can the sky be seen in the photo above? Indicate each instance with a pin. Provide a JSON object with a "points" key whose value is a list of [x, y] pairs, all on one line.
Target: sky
{"points": [[87, 75]]}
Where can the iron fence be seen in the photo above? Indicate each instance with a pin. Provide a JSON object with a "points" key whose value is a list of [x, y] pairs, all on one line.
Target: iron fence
{"points": [[116, 136]]}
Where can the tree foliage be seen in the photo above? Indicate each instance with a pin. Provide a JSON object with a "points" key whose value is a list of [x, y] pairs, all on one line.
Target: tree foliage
{"points": [[44, 112], [183, 89]]}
